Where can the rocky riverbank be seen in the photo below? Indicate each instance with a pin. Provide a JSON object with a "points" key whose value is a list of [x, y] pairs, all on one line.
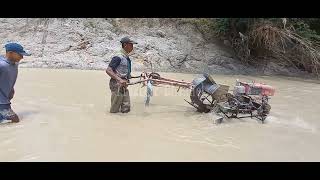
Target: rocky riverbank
{"points": [[170, 46]]}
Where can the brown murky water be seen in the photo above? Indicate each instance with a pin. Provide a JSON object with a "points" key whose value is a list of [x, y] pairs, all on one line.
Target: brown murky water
{"points": [[65, 118]]}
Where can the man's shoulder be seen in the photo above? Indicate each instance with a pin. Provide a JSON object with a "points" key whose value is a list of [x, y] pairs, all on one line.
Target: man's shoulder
{"points": [[119, 54], [115, 61], [2, 61], [116, 58], [2, 58]]}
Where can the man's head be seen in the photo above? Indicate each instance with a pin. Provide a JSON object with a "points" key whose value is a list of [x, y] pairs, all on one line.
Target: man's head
{"points": [[127, 44], [15, 52]]}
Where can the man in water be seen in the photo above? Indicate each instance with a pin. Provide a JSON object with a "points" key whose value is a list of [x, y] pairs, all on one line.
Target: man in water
{"points": [[8, 76], [119, 70]]}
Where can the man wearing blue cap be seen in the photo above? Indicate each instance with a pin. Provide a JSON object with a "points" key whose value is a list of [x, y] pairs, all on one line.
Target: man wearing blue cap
{"points": [[8, 76]]}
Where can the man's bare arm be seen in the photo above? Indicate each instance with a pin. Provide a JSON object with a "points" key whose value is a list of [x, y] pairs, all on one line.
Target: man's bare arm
{"points": [[113, 75]]}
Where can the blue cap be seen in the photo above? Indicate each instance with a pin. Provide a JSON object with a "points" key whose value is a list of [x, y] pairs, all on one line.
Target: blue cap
{"points": [[15, 47]]}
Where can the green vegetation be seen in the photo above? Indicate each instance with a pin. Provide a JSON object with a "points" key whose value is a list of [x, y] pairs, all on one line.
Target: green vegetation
{"points": [[289, 42]]}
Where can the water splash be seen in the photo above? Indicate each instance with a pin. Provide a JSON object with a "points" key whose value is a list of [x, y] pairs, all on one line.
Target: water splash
{"points": [[298, 122]]}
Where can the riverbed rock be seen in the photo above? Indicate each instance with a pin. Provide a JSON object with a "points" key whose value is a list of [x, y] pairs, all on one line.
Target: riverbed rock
{"points": [[90, 43]]}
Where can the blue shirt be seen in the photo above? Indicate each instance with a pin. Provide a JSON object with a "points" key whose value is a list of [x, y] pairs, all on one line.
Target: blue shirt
{"points": [[8, 77]]}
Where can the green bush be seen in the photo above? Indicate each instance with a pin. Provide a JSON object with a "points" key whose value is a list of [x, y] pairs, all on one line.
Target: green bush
{"points": [[293, 39], [304, 30]]}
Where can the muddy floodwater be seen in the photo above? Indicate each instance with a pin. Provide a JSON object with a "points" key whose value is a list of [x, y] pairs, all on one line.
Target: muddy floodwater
{"points": [[64, 117]]}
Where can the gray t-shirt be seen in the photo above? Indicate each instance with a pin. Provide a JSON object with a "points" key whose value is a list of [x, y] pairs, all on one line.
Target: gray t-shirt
{"points": [[8, 77]]}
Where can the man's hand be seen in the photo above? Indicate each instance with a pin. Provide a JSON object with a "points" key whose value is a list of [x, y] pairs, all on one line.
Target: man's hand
{"points": [[122, 82]]}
